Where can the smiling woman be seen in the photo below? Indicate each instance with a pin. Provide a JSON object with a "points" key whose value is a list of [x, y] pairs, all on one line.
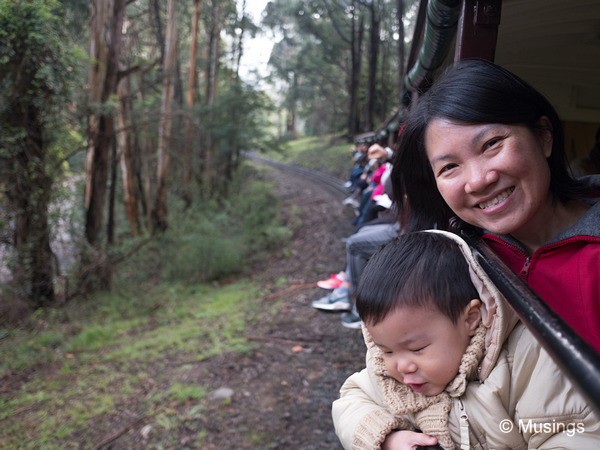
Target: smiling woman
{"points": [[483, 173], [483, 148]]}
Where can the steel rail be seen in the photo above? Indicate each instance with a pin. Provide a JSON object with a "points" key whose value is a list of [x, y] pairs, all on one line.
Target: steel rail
{"points": [[332, 184]]}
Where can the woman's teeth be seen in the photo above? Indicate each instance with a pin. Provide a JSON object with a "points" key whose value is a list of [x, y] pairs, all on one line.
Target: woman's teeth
{"points": [[497, 199]]}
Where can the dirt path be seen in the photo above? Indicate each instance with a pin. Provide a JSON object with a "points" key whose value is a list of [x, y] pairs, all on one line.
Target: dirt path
{"points": [[282, 392]]}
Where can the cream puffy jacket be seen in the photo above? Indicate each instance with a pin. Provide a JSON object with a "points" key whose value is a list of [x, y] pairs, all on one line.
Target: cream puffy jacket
{"points": [[520, 401]]}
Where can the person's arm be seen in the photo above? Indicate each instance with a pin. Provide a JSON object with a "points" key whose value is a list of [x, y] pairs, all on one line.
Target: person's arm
{"points": [[359, 417], [362, 420]]}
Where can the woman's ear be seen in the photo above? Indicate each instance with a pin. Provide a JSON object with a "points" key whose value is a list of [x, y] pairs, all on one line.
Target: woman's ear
{"points": [[544, 132], [472, 316]]}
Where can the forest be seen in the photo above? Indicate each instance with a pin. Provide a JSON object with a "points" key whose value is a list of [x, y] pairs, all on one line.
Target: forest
{"points": [[150, 274], [126, 120], [156, 280]]}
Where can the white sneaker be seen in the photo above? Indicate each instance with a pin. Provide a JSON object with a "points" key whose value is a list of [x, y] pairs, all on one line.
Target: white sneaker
{"points": [[336, 301]]}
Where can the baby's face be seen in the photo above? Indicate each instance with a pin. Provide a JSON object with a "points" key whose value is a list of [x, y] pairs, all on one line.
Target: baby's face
{"points": [[422, 348]]}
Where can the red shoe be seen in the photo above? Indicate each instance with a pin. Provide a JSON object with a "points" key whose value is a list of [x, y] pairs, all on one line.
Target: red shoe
{"points": [[334, 281]]}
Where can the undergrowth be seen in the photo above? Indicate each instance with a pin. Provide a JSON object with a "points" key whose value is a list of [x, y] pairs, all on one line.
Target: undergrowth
{"points": [[169, 306], [213, 240], [102, 358]]}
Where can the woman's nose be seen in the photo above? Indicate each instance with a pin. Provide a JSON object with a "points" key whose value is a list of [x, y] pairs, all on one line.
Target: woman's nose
{"points": [[479, 177]]}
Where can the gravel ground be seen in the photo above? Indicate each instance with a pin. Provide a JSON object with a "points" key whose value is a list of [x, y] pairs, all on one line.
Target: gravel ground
{"points": [[284, 389]]}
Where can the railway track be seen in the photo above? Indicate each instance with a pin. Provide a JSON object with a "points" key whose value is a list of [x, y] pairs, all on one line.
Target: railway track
{"points": [[328, 182]]}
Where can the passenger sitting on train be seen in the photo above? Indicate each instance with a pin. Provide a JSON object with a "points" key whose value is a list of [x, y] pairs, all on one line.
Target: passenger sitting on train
{"points": [[359, 161], [377, 200], [448, 363], [360, 246], [363, 174]]}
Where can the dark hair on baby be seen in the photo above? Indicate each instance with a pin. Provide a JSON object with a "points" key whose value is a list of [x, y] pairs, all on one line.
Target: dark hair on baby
{"points": [[423, 270]]}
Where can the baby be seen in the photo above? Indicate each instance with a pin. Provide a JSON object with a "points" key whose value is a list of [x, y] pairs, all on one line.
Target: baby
{"points": [[449, 364]]}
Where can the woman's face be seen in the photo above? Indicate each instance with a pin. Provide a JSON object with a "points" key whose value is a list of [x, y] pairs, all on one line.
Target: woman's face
{"points": [[493, 176]]}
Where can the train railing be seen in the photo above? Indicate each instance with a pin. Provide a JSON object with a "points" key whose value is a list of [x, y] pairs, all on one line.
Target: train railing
{"points": [[577, 359]]}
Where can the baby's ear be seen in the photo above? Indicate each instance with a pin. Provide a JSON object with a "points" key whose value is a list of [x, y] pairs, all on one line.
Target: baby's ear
{"points": [[473, 315]]}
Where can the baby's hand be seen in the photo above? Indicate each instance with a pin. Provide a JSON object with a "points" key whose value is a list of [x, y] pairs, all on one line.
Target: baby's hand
{"points": [[407, 440]]}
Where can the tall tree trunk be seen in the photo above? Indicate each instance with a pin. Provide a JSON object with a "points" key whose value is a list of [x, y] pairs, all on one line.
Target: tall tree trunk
{"points": [[105, 43], [144, 149], [399, 16], [233, 147], [240, 41], [112, 193], [30, 195], [373, 62], [160, 39], [125, 158], [178, 84], [384, 81], [292, 128], [159, 213], [211, 92], [356, 38], [190, 100]]}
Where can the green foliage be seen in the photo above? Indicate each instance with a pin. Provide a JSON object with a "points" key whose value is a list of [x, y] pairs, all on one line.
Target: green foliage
{"points": [[313, 58], [36, 75], [184, 392], [239, 119], [212, 240], [100, 370], [255, 210], [94, 337], [34, 61], [326, 153]]}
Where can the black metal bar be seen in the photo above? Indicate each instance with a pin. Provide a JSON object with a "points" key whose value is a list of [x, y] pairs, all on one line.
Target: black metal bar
{"points": [[578, 360]]}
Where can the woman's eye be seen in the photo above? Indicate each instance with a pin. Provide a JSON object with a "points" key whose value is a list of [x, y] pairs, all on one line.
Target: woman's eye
{"points": [[491, 142], [446, 168]]}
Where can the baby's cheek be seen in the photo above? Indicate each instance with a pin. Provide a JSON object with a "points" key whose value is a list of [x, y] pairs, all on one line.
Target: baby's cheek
{"points": [[392, 372]]}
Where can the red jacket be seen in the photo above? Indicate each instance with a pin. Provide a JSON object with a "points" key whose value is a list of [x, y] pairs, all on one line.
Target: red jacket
{"points": [[565, 272]]}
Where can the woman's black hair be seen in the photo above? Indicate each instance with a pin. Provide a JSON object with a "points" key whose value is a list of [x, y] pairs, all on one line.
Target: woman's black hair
{"points": [[415, 270], [472, 92]]}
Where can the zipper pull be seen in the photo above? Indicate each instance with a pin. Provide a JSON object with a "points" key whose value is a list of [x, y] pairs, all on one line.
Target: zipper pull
{"points": [[525, 269], [465, 443]]}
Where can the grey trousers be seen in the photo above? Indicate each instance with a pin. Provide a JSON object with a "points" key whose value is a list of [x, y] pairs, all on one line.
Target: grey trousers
{"points": [[362, 245]]}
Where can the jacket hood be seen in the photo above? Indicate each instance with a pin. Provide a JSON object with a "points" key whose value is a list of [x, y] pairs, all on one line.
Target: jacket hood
{"points": [[588, 224], [497, 316]]}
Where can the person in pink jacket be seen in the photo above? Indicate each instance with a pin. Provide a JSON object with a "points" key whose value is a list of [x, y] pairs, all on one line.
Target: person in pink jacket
{"points": [[483, 149]]}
